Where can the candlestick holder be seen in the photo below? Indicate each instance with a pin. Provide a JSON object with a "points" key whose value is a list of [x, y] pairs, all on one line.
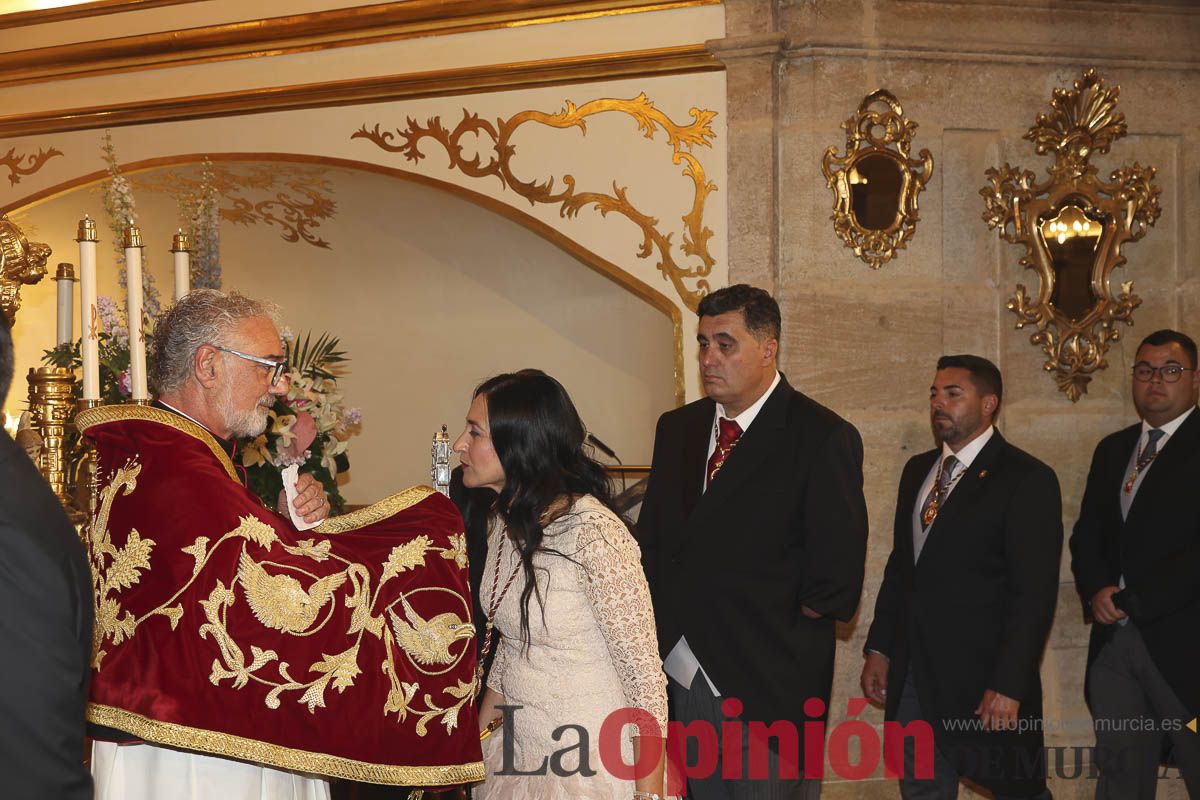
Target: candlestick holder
{"points": [[52, 409], [133, 235], [440, 471]]}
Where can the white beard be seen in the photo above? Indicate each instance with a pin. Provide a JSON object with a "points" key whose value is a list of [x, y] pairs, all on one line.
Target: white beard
{"points": [[244, 424]]}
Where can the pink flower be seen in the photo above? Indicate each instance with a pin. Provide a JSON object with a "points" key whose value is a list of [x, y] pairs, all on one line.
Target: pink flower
{"points": [[125, 384], [304, 433]]}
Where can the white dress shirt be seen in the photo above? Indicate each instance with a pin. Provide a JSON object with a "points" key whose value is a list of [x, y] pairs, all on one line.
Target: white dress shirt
{"points": [[681, 663]]}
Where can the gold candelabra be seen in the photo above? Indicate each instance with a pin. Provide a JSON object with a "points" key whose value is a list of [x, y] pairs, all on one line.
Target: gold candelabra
{"points": [[52, 411]]}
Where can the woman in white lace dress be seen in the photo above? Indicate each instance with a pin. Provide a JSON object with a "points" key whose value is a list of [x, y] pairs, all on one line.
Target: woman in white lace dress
{"points": [[564, 589]]}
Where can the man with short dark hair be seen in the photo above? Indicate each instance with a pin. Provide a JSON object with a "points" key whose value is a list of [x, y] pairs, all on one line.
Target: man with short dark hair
{"points": [[45, 629], [968, 597], [753, 534], [1135, 553]]}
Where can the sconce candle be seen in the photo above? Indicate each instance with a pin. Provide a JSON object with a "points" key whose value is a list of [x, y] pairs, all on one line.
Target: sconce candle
{"points": [[65, 277], [133, 310], [89, 312], [183, 265]]}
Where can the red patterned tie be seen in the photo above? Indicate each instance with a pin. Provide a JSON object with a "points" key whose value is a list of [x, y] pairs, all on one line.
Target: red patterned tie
{"points": [[728, 433]]}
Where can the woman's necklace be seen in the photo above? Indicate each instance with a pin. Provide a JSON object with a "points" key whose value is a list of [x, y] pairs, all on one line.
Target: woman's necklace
{"points": [[493, 606]]}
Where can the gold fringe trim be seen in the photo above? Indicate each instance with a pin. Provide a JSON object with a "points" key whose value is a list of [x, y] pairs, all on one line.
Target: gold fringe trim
{"points": [[376, 512], [223, 744], [100, 415]]}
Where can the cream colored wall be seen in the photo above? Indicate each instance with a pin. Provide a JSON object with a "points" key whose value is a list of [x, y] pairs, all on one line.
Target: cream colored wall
{"points": [[430, 295], [973, 75]]}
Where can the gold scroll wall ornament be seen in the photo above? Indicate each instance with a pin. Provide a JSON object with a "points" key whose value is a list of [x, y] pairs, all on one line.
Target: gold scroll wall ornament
{"points": [[296, 200], [686, 266], [1072, 226], [21, 262], [32, 162], [876, 182]]}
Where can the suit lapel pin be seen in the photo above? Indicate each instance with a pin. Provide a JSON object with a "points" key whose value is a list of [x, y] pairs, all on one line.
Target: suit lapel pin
{"points": [[983, 473]]}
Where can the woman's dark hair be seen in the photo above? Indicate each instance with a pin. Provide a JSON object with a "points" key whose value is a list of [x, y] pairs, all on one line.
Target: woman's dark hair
{"points": [[539, 439]]}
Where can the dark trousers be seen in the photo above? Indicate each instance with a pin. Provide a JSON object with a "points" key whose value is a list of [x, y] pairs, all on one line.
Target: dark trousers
{"points": [[1134, 709], [698, 704], [944, 783]]}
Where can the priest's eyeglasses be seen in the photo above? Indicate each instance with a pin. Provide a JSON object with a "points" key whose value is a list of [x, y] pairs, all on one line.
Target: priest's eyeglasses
{"points": [[277, 367], [1170, 372]]}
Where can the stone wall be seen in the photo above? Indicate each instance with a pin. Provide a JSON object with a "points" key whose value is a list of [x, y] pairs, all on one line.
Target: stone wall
{"points": [[973, 74]]}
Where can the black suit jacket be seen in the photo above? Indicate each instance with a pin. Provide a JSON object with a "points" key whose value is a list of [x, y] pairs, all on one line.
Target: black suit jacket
{"points": [[783, 524], [1157, 549], [974, 612], [46, 630]]}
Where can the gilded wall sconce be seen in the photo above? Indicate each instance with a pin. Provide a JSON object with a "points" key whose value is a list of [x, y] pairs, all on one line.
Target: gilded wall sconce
{"points": [[22, 262], [1072, 227], [876, 182]]}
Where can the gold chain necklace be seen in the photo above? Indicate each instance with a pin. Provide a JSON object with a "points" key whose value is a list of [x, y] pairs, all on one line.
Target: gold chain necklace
{"points": [[1140, 464], [936, 501], [493, 606]]}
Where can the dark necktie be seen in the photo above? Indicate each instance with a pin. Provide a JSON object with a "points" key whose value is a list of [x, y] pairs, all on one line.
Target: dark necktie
{"points": [[937, 495], [1144, 457], [1152, 437], [728, 433]]}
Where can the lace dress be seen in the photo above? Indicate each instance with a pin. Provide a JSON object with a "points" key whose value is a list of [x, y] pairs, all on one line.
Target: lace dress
{"points": [[593, 651]]}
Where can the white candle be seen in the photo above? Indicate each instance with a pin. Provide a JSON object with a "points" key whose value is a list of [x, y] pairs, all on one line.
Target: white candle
{"points": [[183, 265], [133, 310], [65, 278], [89, 312]]}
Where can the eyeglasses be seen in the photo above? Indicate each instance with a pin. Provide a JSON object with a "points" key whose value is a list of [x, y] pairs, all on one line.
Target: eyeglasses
{"points": [[277, 367], [1170, 372]]}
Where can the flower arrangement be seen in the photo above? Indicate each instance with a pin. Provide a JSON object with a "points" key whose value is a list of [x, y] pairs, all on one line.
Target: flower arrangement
{"points": [[199, 215], [121, 209], [113, 334], [309, 426]]}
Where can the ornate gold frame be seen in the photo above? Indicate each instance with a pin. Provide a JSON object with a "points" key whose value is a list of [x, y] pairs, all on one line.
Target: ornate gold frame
{"points": [[879, 127], [1083, 122]]}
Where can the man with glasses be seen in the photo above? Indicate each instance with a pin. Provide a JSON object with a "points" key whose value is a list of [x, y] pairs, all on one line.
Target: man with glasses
{"points": [[230, 381], [1136, 558], [236, 656]]}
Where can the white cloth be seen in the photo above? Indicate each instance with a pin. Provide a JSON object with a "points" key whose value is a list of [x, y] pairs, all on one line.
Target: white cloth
{"points": [[150, 772], [963, 459], [681, 663]]}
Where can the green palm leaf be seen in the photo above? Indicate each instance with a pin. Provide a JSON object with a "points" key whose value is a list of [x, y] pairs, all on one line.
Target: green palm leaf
{"points": [[319, 359]]}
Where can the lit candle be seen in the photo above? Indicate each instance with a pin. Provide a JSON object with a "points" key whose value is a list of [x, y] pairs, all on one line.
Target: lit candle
{"points": [[133, 310], [65, 277], [183, 265], [89, 312]]}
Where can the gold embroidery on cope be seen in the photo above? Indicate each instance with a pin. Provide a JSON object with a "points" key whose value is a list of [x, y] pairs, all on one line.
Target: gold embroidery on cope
{"points": [[294, 602]]}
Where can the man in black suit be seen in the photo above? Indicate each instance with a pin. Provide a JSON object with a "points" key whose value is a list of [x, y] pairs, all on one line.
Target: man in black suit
{"points": [[753, 533], [968, 596], [1135, 553], [45, 627]]}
